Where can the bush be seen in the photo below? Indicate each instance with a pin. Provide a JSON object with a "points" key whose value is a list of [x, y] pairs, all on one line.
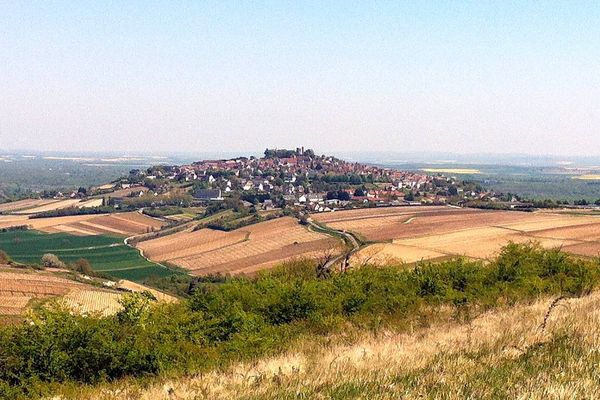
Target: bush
{"points": [[4, 258], [227, 319], [52, 261], [83, 266]]}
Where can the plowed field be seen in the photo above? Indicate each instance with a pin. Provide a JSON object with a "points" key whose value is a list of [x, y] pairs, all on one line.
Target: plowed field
{"points": [[415, 233], [121, 224], [19, 289], [245, 250]]}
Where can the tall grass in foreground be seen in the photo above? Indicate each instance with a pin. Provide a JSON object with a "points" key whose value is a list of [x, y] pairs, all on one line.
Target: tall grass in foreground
{"points": [[246, 319], [502, 354]]}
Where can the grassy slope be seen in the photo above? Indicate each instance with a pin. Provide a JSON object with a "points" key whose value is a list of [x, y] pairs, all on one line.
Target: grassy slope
{"points": [[105, 253], [290, 334], [501, 354]]}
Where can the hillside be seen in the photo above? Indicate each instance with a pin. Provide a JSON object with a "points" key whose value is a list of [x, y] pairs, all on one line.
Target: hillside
{"points": [[410, 234], [106, 254], [370, 332], [21, 289], [505, 353], [25, 289], [242, 251]]}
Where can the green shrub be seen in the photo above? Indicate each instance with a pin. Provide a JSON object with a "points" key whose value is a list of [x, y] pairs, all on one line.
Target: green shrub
{"points": [[228, 319]]}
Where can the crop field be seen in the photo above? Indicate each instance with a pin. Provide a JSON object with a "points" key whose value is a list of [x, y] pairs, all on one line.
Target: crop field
{"points": [[19, 288], [90, 203], [127, 192], [54, 205], [93, 301], [457, 171], [120, 224], [188, 243], [23, 205], [106, 254], [245, 250], [410, 234], [589, 177]]}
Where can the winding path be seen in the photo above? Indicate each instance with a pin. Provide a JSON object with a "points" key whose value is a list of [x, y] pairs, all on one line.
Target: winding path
{"points": [[354, 242]]}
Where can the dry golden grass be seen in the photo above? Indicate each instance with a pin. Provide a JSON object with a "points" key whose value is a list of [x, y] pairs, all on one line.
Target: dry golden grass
{"points": [[507, 353]]}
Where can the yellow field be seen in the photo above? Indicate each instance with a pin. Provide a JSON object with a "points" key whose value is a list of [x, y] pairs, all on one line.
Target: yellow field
{"points": [[93, 301], [589, 177], [413, 234], [136, 287], [90, 203], [458, 171], [245, 250]]}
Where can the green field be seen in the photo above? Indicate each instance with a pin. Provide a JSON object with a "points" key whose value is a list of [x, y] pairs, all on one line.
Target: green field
{"points": [[106, 254]]}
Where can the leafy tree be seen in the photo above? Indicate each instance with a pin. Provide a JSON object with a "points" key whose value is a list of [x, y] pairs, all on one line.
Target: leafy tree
{"points": [[83, 267], [52, 261], [360, 192], [343, 195], [4, 258], [136, 307]]}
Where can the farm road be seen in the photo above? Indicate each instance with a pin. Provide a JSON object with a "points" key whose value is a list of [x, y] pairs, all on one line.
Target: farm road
{"points": [[349, 238]]}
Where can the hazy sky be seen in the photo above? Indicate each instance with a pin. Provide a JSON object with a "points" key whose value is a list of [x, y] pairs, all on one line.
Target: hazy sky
{"points": [[481, 76]]}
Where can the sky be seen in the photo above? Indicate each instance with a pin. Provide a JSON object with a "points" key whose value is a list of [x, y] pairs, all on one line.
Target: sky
{"points": [[143, 76]]}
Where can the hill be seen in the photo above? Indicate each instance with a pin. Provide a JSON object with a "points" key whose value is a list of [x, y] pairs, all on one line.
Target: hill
{"points": [[369, 332], [244, 250], [526, 351], [106, 254], [25, 289], [21, 289]]}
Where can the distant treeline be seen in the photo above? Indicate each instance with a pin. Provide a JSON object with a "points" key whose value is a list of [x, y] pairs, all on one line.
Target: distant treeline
{"points": [[14, 228], [64, 212]]}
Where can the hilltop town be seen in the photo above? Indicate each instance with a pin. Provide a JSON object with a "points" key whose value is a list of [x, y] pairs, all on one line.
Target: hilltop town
{"points": [[301, 179]]}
